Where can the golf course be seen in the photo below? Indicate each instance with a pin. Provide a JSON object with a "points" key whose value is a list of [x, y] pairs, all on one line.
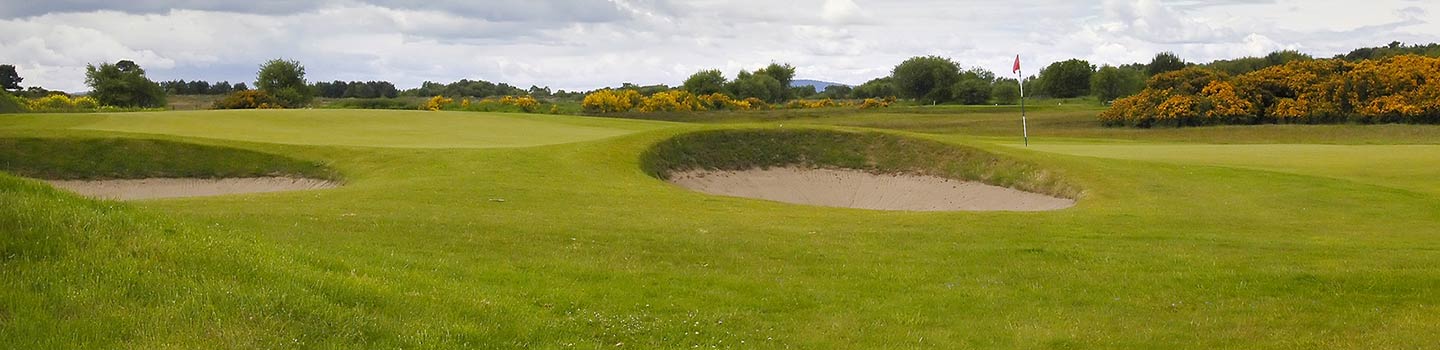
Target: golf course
{"points": [[457, 229]]}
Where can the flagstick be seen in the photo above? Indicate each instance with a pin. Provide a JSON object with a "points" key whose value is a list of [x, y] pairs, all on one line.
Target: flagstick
{"points": [[1024, 126]]}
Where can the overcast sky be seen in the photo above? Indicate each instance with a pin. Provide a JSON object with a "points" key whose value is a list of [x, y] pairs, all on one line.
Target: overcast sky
{"points": [[584, 44]]}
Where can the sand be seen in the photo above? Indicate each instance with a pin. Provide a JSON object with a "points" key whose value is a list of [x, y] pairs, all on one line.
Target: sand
{"points": [[176, 188], [859, 189]]}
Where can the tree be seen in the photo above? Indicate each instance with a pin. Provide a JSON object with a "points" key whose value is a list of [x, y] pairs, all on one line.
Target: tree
{"points": [[837, 91], [761, 86], [876, 88], [1006, 91], [705, 82], [123, 84], [783, 73], [221, 88], [1164, 62], [9, 78], [1068, 78], [927, 79], [803, 91], [974, 86], [285, 80], [1110, 83]]}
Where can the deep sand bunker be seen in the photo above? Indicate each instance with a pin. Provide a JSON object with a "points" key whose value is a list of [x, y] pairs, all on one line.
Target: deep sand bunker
{"points": [[132, 189], [867, 170], [858, 189]]}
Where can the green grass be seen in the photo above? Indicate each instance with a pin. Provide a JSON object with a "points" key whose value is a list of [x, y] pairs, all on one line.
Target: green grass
{"points": [[118, 158], [371, 128], [1175, 244]]}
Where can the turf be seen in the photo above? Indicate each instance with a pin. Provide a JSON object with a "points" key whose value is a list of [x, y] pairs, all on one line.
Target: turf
{"points": [[371, 128], [570, 244]]}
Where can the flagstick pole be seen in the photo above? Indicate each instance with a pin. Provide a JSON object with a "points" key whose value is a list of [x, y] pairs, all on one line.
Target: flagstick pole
{"points": [[1024, 126]]}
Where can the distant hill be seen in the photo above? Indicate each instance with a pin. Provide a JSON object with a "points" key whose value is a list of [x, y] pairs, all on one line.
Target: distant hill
{"points": [[819, 85]]}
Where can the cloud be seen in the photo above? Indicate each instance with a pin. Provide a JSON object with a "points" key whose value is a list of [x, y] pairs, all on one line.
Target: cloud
{"points": [[585, 44]]}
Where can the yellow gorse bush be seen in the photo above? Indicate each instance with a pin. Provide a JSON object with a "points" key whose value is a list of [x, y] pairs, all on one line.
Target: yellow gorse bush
{"points": [[62, 103], [437, 103], [1400, 89], [610, 101]]}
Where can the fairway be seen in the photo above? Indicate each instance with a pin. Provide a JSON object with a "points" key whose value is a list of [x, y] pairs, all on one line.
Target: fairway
{"points": [[1406, 167], [368, 128], [492, 230]]}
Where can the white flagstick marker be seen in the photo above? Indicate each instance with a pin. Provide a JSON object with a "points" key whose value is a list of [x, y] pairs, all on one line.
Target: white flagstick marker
{"points": [[1024, 127]]}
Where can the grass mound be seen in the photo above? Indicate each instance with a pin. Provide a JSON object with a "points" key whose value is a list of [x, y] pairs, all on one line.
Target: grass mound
{"points": [[868, 151], [77, 273], [120, 158]]}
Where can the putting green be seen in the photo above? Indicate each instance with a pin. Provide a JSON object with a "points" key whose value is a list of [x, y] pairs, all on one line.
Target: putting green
{"points": [[371, 128]]}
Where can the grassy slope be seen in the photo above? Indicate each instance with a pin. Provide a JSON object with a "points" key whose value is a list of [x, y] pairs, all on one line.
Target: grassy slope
{"points": [[351, 127], [587, 250], [122, 158]]}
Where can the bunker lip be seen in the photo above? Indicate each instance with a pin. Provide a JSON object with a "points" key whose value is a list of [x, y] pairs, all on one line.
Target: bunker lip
{"points": [[154, 188], [849, 188]]}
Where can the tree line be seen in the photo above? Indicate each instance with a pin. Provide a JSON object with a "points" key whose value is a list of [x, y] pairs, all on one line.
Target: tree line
{"points": [[201, 87], [926, 79]]}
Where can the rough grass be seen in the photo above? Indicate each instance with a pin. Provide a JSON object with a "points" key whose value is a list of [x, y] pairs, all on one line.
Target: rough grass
{"points": [[869, 151], [125, 158]]}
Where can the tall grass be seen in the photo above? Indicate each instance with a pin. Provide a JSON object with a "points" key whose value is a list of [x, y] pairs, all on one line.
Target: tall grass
{"points": [[740, 149], [123, 158]]}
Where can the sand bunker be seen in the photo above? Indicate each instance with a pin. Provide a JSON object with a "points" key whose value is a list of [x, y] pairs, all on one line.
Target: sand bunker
{"points": [[175, 188], [859, 189]]}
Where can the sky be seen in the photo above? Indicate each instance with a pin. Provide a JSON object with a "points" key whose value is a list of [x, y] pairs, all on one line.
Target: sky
{"points": [[587, 44]]}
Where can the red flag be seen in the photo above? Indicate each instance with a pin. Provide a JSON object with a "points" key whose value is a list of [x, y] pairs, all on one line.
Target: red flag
{"points": [[1017, 65]]}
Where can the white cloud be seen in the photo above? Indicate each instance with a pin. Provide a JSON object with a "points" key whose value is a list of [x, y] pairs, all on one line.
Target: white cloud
{"points": [[585, 44]]}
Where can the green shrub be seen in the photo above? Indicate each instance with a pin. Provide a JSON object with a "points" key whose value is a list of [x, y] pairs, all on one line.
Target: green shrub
{"points": [[248, 99], [11, 104], [374, 103]]}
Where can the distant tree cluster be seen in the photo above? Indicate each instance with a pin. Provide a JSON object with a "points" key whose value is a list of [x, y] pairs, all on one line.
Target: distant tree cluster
{"points": [[123, 84], [200, 87], [465, 88], [355, 89], [279, 84], [1397, 89], [1395, 48], [770, 84]]}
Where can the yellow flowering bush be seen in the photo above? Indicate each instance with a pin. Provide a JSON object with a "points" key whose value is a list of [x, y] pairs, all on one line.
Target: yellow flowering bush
{"points": [[437, 103], [1400, 89], [52, 103], [610, 101], [871, 103]]}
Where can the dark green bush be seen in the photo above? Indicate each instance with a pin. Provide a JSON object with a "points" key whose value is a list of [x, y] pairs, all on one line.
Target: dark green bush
{"points": [[374, 103], [10, 103]]}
